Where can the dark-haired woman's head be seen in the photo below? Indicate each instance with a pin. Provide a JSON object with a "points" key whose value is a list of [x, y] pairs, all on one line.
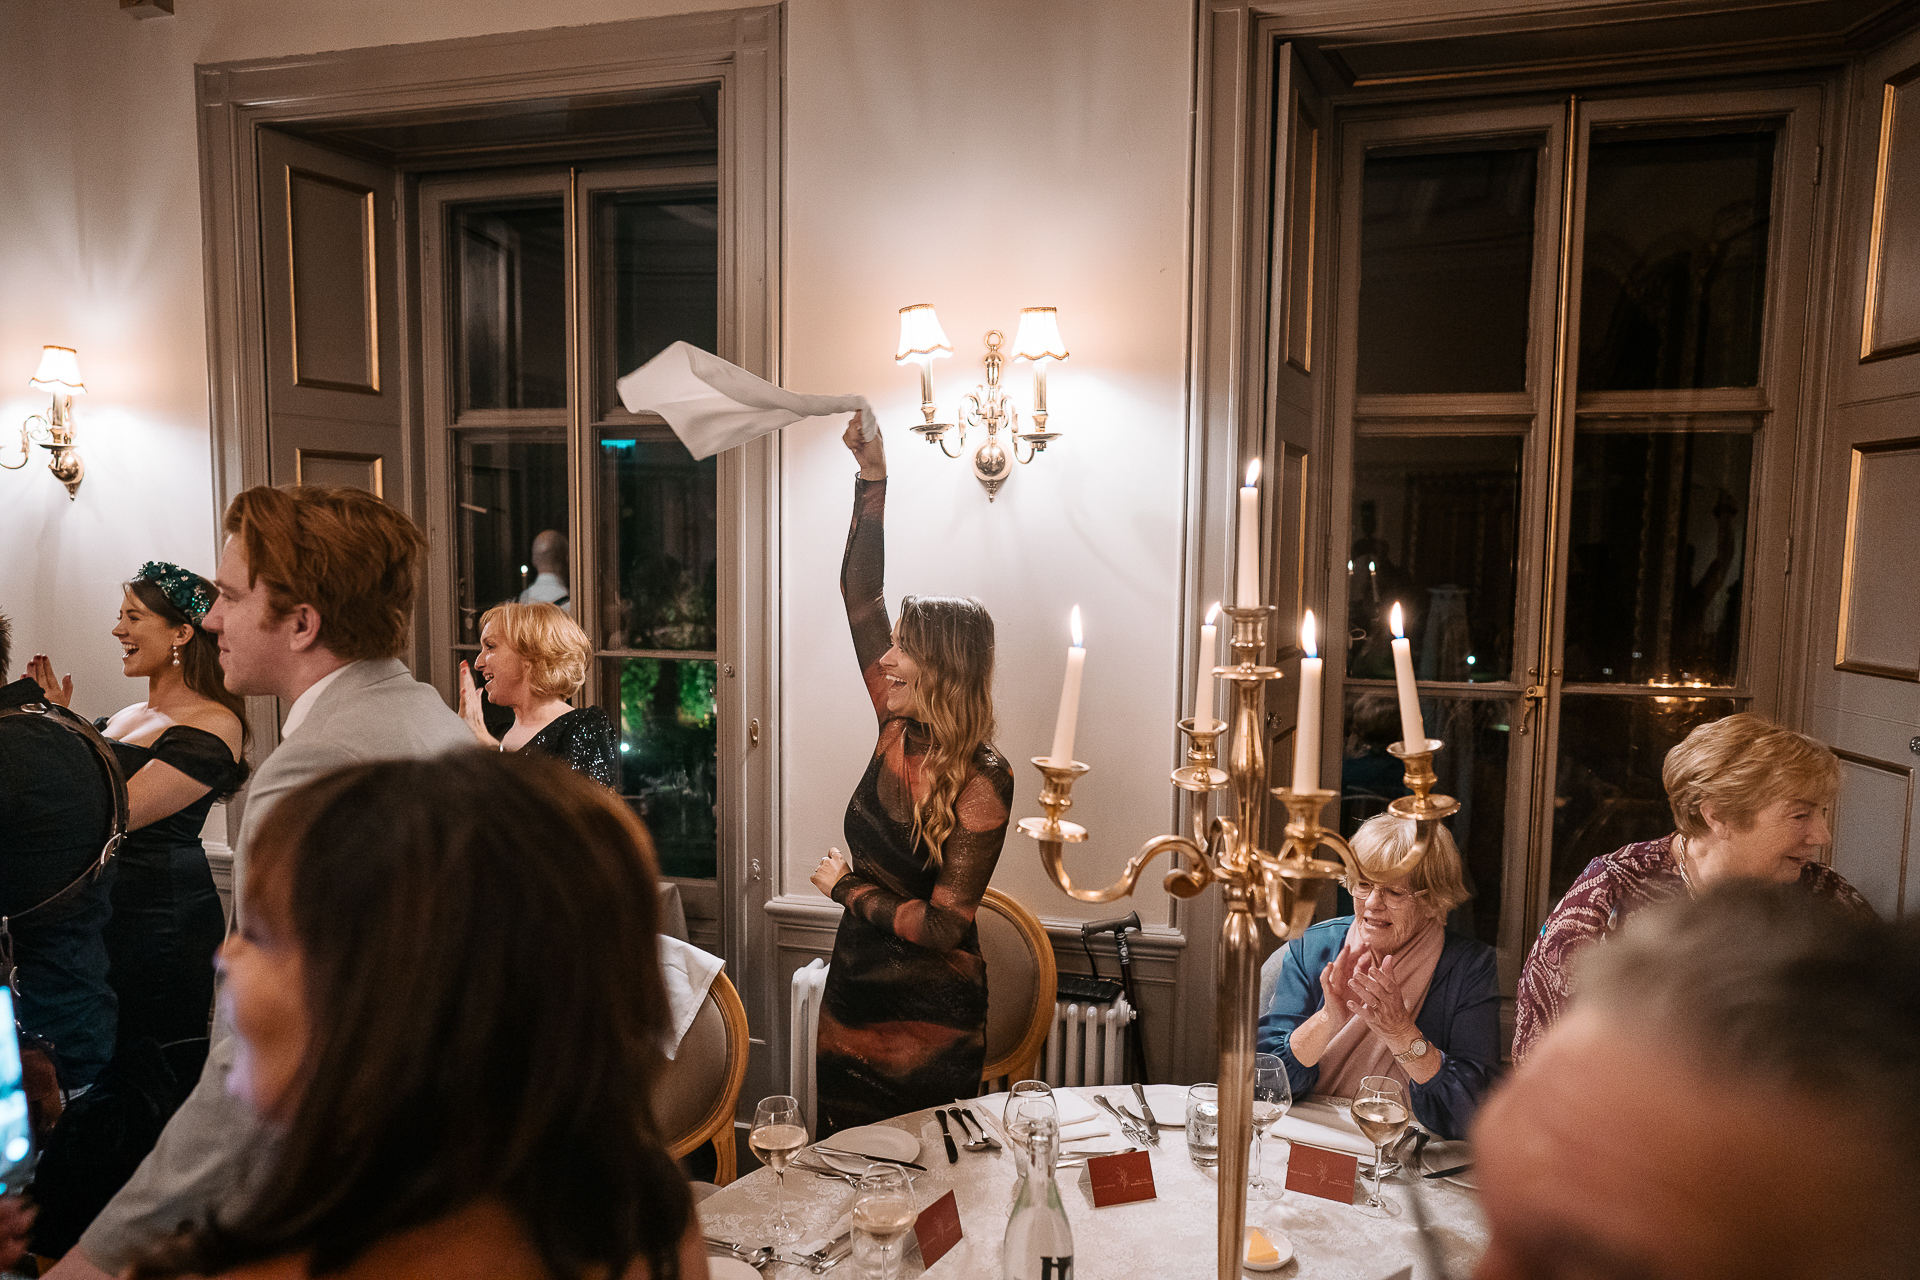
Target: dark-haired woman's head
{"points": [[159, 626], [447, 988]]}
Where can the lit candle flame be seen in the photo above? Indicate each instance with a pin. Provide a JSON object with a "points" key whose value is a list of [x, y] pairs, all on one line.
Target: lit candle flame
{"points": [[1309, 639], [1253, 473], [1073, 625], [1213, 613], [1399, 627]]}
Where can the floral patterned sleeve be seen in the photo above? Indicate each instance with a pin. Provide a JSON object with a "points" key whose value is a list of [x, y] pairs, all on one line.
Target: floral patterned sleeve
{"points": [[863, 587], [940, 921]]}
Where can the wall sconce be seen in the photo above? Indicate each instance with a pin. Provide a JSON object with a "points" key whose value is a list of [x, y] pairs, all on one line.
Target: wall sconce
{"points": [[922, 341], [59, 373]]}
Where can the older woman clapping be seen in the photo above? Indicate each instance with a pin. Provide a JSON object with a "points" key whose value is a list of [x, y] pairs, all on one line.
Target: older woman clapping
{"points": [[534, 657], [1388, 991], [1750, 801]]}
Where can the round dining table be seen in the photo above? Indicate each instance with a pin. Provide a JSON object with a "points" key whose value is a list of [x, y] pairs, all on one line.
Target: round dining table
{"points": [[1170, 1237]]}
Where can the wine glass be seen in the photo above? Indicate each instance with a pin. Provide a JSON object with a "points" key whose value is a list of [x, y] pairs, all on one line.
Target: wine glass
{"points": [[1380, 1110], [1272, 1095], [779, 1131], [1024, 1094], [882, 1213]]}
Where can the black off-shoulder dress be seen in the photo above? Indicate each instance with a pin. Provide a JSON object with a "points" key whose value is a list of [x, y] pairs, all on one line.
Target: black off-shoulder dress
{"points": [[904, 1013], [167, 921]]}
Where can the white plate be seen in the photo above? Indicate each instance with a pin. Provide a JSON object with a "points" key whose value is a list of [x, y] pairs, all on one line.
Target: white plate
{"points": [[881, 1141], [1276, 1238], [724, 1268], [1442, 1154]]}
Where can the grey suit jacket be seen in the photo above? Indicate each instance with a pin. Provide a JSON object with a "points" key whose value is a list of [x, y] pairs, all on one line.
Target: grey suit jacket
{"points": [[374, 710]]}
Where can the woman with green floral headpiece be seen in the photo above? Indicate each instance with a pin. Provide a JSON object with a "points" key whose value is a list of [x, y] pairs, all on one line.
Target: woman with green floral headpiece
{"points": [[181, 749]]}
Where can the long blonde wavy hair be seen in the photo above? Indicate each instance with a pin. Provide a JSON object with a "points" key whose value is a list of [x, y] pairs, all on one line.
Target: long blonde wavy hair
{"points": [[950, 638]]}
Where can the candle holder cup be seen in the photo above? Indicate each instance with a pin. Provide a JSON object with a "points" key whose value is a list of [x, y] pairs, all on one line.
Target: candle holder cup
{"points": [[1198, 774]]}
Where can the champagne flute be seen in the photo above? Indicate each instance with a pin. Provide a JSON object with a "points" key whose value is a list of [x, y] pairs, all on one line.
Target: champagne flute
{"points": [[779, 1131], [1272, 1096], [882, 1213], [1380, 1110]]}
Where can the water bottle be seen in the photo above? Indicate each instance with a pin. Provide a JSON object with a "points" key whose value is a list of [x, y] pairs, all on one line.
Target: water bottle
{"points": [[1038, 1243]]}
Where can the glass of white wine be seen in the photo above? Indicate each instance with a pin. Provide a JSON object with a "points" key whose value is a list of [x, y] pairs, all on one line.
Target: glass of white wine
{"points": [[779, 1131], [882, 1214], [1272, 1095], [1380, 1109]]}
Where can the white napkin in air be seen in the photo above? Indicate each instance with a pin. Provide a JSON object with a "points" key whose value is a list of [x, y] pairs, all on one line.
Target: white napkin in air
{"points": [[688, 972], [714, 406]]}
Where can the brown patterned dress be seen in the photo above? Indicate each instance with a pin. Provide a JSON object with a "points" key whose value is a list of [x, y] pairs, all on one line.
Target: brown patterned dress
{"points": [[1612, 888], [904, 1014]]}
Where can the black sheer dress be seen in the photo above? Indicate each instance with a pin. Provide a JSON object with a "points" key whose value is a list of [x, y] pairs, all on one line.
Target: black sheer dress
{"points": [[904, 1014], [167, 921], [584, 739]]}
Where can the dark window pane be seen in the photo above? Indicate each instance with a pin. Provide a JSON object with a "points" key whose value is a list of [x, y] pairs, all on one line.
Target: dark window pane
{"points": [[512, 340], [509, 521], [1472, 768], [1446, 269], [664, 711], [1435, 527], [657, 543], [1657, 556], [1674, 286], [657, 255], [1607, 790]]}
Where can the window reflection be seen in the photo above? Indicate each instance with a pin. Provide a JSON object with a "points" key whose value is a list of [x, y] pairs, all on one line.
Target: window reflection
{"points": [[1435, 527], [658, 544], [1446, 272], [1674, 287], [510, 521], [666, 718], [512, 344], [1656, 556], [659, 260], [1473, 769], [1607, 790]]}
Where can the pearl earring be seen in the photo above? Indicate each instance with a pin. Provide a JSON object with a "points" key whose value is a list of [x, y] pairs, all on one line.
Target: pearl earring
{"points": [[176, 655]]}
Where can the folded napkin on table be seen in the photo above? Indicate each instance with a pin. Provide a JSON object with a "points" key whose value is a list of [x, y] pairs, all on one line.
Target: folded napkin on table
{"points": [[713, 406], [838, 1229], [1079, 1119], [1319, 1122], [688, 972]]}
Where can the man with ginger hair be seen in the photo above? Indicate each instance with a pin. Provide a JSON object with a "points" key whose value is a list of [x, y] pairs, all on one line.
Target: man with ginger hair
{"points": [[317, 588]]}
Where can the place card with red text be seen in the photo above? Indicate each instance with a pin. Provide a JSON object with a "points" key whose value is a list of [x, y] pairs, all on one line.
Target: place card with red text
{"points": [[937, 1228], [1121, 1179], [1327, 1174]]}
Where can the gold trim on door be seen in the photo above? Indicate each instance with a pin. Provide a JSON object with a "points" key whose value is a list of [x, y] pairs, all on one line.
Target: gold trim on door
{"points": [[366, 194], [376, 466], [1871, 347], [1841, 661]]}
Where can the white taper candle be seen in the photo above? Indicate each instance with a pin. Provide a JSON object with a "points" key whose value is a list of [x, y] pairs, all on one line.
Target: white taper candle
{"points": [[1306, 730], [1205, 701], [1062, 753], [1413, 731], [1246, 568]]}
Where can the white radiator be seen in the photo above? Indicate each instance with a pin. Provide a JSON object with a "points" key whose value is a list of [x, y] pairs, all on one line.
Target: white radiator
{"points": [[803, 1033], [1087, 1043]]}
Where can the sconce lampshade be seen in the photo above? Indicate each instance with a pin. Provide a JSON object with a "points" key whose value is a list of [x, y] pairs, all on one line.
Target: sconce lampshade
{"points": [[921, 337], [59, 372], [1039, 335]]}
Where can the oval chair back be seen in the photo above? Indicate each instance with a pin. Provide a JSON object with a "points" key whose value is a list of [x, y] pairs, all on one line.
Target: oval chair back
{"points": [[1021, 977], [699, 1091]]}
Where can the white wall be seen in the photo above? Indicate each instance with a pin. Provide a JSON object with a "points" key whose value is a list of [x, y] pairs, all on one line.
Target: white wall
{"points": [[981, 156]]}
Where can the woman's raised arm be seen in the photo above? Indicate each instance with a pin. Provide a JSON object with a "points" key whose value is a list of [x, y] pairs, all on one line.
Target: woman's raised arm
{"points": [[863, 567]]}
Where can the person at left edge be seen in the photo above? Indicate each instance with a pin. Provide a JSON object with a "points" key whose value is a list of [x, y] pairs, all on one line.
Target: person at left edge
{"points": [[316, 593]]}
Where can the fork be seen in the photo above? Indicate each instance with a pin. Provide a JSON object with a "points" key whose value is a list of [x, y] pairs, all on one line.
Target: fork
{"points": [[1127, 1128], [1147, 1127]]}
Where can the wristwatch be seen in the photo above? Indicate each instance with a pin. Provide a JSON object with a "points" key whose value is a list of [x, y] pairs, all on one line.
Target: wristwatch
{"points": [[1418, 1049]]}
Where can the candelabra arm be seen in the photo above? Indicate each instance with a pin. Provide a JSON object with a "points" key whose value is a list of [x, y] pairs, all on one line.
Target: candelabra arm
{"points": [[25, 447], [1181, 882]]}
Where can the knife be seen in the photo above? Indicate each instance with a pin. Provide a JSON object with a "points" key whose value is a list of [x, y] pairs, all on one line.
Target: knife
{"points": [[861, 1155], [946, 1135], [1446, 1173], [1145, 1110]]}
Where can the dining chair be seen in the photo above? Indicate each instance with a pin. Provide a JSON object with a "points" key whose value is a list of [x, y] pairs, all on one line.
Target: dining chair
{"points": [[698, 1093], [1021, 977]]}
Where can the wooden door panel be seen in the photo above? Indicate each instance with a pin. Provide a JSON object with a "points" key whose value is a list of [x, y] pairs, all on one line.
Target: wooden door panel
{"points": [[1872, 829], [1879, 632], [335, 410]]}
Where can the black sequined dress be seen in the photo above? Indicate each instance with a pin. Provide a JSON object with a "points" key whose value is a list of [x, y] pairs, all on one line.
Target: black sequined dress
{"points": [[904, 1014], [584, 739]]}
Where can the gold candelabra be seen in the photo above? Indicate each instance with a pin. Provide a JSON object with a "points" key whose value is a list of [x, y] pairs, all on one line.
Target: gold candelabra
{"points": [[1275, 887]]}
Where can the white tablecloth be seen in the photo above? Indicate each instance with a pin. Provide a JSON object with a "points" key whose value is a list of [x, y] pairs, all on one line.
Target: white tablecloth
{"points": [[1168, 1238]]}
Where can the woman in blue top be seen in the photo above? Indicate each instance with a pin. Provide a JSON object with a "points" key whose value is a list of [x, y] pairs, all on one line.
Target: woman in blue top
{"points": [[1388, 991]]}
